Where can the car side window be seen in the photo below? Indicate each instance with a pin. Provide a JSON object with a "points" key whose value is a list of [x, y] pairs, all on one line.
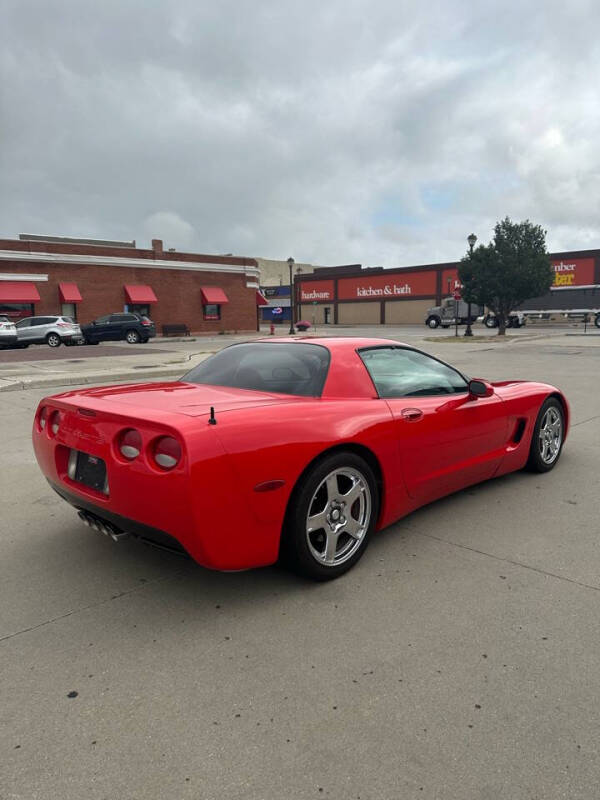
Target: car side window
{"points": [[402, 372], [100, 320], [23, 323]]}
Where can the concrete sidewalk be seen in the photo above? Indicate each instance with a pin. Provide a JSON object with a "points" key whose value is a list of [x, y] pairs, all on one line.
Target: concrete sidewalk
{"points": [[117, 367]]}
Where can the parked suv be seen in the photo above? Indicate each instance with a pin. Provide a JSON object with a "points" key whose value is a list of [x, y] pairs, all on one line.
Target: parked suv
{"points": [[8, 332], [47, 330], [129, 326]]}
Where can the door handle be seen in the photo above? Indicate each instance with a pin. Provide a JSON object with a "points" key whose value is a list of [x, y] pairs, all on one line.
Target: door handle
{"points": [[412, 414]]}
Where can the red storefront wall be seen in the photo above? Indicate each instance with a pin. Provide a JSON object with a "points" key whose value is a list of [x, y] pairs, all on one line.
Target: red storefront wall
{"points": [[389, 286]]}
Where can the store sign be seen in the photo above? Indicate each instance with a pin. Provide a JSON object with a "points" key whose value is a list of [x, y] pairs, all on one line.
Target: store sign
{"points": [[316, 291], [573, 272], [387, 287], [450, 281]]}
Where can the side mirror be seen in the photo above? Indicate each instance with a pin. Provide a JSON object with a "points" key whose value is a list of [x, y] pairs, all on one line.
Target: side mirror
{"points": [[480, 388]]}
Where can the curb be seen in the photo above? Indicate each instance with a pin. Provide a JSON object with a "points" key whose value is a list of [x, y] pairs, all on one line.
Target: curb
{"points": [[99, 377]]}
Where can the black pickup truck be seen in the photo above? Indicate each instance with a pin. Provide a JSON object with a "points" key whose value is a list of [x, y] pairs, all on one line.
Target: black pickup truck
{"points": [[132, 327]]}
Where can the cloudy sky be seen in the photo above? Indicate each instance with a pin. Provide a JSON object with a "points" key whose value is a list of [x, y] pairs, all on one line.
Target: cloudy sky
{"points": [[335, 131]]}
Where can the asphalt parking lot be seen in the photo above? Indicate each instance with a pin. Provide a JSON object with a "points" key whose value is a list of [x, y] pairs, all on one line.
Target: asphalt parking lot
{"points": [[458, 660]]}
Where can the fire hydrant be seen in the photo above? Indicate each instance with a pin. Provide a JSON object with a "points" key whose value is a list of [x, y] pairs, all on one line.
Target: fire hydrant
{"points": [[272, 329]]}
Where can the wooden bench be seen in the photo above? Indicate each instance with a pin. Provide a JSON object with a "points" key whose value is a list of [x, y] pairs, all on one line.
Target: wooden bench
{"points": [[175, 329]]}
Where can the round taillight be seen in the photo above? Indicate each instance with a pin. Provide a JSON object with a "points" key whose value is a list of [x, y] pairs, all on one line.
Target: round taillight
{"points": [[43, 417], [130, 444], [167, 452], [55, 423]]}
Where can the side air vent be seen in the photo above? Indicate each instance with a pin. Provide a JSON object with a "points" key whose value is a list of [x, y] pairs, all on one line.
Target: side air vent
{"points": [[519, 430]]}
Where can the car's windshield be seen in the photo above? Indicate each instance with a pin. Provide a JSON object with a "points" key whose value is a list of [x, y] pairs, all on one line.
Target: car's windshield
{"points": [[298, 369]]}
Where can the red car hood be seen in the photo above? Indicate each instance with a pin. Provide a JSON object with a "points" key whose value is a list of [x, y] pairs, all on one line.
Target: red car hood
{"points": [[174, 397]]}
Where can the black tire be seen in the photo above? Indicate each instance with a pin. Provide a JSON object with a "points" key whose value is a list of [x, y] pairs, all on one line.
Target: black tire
{"points": [[91, 341], [296, 551], [132, 337], [597, 321], [432, 322], [144, 341], [53, 340], [536, 461], [490, 322]]}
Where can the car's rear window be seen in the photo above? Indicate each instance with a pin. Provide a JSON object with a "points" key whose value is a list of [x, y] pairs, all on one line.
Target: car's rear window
{"points": [[297, 369]]}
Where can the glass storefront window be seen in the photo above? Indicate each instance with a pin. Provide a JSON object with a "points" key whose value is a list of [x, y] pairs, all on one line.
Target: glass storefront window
{"points": [[212, 311], [69, 310], [15, 311], [142, 309]]}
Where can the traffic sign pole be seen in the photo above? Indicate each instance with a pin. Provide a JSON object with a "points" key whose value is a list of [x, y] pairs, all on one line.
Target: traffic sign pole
{"points": [[456, 302]]}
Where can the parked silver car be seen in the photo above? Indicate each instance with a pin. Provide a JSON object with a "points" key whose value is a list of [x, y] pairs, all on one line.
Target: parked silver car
{"points": [[53, 331], [8, 332]]}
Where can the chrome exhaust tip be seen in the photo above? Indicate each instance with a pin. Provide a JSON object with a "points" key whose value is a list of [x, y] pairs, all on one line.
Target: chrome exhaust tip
{"points": [[102, 527]]}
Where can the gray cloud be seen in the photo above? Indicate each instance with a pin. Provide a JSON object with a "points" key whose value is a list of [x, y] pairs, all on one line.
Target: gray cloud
{"points": [[345, 131]]}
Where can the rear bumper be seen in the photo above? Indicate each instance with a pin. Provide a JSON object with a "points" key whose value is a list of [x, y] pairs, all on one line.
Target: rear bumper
{"points": [[146, 533], [195, 507]]}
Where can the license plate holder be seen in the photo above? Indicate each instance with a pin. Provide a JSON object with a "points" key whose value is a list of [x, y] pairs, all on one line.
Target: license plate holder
{"points": [[91, 471]]}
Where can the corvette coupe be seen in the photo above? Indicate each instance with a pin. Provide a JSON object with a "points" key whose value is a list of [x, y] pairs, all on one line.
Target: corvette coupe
{"points": [[298, 448]]}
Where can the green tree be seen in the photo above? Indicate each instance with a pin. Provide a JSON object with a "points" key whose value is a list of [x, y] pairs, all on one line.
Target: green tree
{"points": [[513, 267]]}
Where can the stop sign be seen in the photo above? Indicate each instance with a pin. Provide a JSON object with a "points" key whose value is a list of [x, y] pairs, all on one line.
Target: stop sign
{"points": [[457, 294]]}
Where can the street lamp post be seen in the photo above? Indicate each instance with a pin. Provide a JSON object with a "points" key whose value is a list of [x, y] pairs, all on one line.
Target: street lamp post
{"points": [[290, 262], [471, 239]]}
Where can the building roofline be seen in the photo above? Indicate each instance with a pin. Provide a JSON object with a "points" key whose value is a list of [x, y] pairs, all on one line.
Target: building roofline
{"points": [[121, 261]]}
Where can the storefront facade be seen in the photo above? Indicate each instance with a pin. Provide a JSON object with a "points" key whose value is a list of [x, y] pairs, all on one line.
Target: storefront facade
{"points": [[277, 307], [377, 296], [86, 280]]}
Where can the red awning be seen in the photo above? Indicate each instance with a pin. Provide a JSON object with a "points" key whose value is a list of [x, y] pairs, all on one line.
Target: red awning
{"points": [[139, 293], [261, 300], [69, 293], [18, 292], [212, 295]]}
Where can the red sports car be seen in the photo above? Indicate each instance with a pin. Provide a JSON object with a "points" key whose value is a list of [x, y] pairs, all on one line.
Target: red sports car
{"points": [[298, 447]]}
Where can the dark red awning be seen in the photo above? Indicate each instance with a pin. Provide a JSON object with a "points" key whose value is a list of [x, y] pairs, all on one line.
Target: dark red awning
{"points": [[261, 300], [69, 293], [212, 295], [140, 293], [18, 292]]}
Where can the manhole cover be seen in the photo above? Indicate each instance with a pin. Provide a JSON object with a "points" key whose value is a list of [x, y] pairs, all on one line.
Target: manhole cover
{"points": [[75, 360], [147, 366]]}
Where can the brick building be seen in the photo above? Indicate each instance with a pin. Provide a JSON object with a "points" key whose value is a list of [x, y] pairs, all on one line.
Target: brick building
{"points": [[86, 278], [356, 295]]}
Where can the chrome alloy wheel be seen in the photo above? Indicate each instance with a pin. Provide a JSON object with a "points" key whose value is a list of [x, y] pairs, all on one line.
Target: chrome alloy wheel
{"points": [[338, 516], [550, 436]]}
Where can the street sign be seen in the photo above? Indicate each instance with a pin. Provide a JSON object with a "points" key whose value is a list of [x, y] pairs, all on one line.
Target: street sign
{"points": [[277, 311], [457, 295]]}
